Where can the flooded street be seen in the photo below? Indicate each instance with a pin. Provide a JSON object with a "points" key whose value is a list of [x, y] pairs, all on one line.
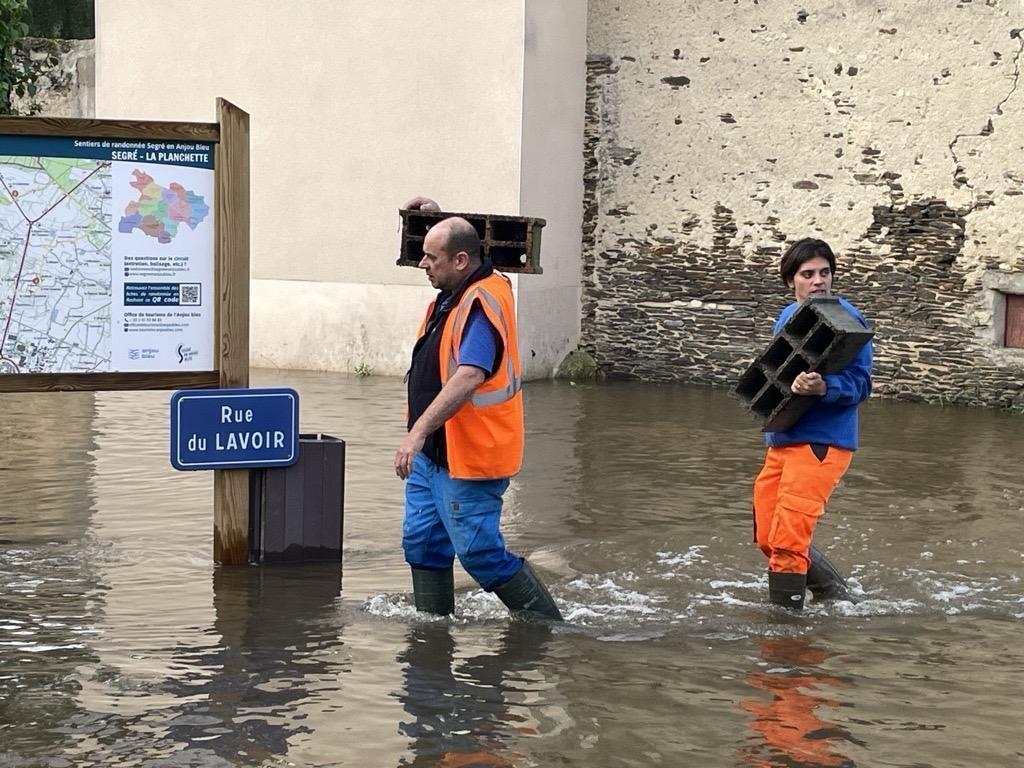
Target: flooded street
{"points": [[121, 644]]}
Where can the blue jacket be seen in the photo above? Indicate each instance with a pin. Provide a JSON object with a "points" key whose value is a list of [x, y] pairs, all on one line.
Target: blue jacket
{"points": [[833, 419]]}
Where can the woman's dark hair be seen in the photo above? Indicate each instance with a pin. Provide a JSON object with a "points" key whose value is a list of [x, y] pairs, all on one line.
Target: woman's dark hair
{"points": [[801, 251]]}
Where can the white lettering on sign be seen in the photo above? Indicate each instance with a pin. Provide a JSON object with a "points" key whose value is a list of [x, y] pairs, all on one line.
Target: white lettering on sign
{"points": [[229, 415], [234, 441]]}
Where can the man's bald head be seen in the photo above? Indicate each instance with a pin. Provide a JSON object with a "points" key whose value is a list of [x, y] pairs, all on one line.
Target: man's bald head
{"points": [[451, 253], [459, 236]]}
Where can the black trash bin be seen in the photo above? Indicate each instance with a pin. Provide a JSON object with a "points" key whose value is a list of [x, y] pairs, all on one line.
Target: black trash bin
{"points": [[296, 513]]}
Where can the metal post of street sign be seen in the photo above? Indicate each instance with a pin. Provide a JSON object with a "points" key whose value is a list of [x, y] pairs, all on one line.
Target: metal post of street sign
{"points": [[234, 428]]}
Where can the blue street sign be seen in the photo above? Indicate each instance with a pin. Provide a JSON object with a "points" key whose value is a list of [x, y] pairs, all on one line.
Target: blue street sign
{"points": [[234, 428]]}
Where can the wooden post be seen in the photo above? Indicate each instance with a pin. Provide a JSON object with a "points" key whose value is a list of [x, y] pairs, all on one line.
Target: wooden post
{"points": [[231, 168]]}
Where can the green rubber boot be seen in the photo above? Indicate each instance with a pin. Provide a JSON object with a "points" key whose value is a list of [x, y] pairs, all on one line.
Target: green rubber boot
{"points": [[526, 596], [434, 591]]}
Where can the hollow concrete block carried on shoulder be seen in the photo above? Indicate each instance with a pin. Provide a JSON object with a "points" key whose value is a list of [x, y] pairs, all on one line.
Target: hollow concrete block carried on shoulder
{"points": [[820, 336], [512, 243]]}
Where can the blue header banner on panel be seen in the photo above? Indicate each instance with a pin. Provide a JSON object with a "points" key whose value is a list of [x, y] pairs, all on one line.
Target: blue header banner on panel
{"points": [[193, 154]]}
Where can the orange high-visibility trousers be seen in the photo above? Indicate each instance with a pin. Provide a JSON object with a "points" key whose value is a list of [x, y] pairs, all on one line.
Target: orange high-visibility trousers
{"points": [[789, 496]]}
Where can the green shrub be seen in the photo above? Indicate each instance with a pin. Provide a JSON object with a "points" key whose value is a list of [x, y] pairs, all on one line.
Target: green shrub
{"points": [[18, 70]]}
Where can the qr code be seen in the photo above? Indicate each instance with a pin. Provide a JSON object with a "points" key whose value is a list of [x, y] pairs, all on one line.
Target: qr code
{"points": [[190, 295]]}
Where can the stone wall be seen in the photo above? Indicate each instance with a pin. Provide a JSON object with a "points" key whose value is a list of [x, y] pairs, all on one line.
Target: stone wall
{"points": [[69, 88], [718, 131]]}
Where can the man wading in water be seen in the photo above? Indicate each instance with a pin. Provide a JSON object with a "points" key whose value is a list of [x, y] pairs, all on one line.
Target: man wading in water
{"points": [[804, 463], [465, 429]]}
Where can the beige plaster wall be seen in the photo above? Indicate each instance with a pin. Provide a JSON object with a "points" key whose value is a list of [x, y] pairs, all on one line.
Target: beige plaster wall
{"points": [[552, 177], [355, 106]]}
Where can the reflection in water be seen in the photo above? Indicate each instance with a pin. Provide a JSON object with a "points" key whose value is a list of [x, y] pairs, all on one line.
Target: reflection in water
{"points": [[272, 622], [50, 598], [121, 644], [462, 713], [791, 730], [233, 702]]}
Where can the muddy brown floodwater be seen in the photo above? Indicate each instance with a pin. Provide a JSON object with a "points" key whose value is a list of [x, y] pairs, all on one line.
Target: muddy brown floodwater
{"points": [[121, 644]]}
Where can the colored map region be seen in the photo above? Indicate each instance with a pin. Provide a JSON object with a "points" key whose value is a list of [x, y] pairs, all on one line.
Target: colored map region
{"points": [[55, 264], [159, 210]]}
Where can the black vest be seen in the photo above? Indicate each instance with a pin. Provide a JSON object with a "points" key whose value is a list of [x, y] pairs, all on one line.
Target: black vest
{"points": [[424, 376]]}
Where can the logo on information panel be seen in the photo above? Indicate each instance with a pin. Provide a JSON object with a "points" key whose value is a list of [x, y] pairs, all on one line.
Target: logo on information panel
{"points": [[186, 353]]}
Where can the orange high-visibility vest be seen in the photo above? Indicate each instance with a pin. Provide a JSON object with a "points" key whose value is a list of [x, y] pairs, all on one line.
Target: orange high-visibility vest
{"points": [[485, 437]]}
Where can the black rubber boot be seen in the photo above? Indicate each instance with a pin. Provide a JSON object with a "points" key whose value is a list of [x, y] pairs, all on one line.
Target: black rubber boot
{"points": [[824, 581], [434, 591], [787, 589], [526, 596]]}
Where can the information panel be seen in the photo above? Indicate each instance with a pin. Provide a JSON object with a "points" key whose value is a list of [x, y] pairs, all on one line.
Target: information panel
{"points": [[106, 255]]}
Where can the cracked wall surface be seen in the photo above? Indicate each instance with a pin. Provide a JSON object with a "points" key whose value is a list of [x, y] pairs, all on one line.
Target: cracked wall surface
{"points": [[718, 131]]}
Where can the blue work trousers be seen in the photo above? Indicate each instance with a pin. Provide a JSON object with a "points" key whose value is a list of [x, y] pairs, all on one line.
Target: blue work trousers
{"points": [[445, 517]]}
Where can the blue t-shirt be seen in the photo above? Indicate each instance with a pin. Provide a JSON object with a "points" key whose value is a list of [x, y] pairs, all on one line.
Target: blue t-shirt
{"points": [[481, 345]]}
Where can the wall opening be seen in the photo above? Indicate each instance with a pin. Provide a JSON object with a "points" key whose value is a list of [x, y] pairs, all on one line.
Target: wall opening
{"points": [[1013, 330]]}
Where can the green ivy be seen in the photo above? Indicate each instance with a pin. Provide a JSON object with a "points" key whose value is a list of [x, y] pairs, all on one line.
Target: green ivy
{"points": [[18, 72]]}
